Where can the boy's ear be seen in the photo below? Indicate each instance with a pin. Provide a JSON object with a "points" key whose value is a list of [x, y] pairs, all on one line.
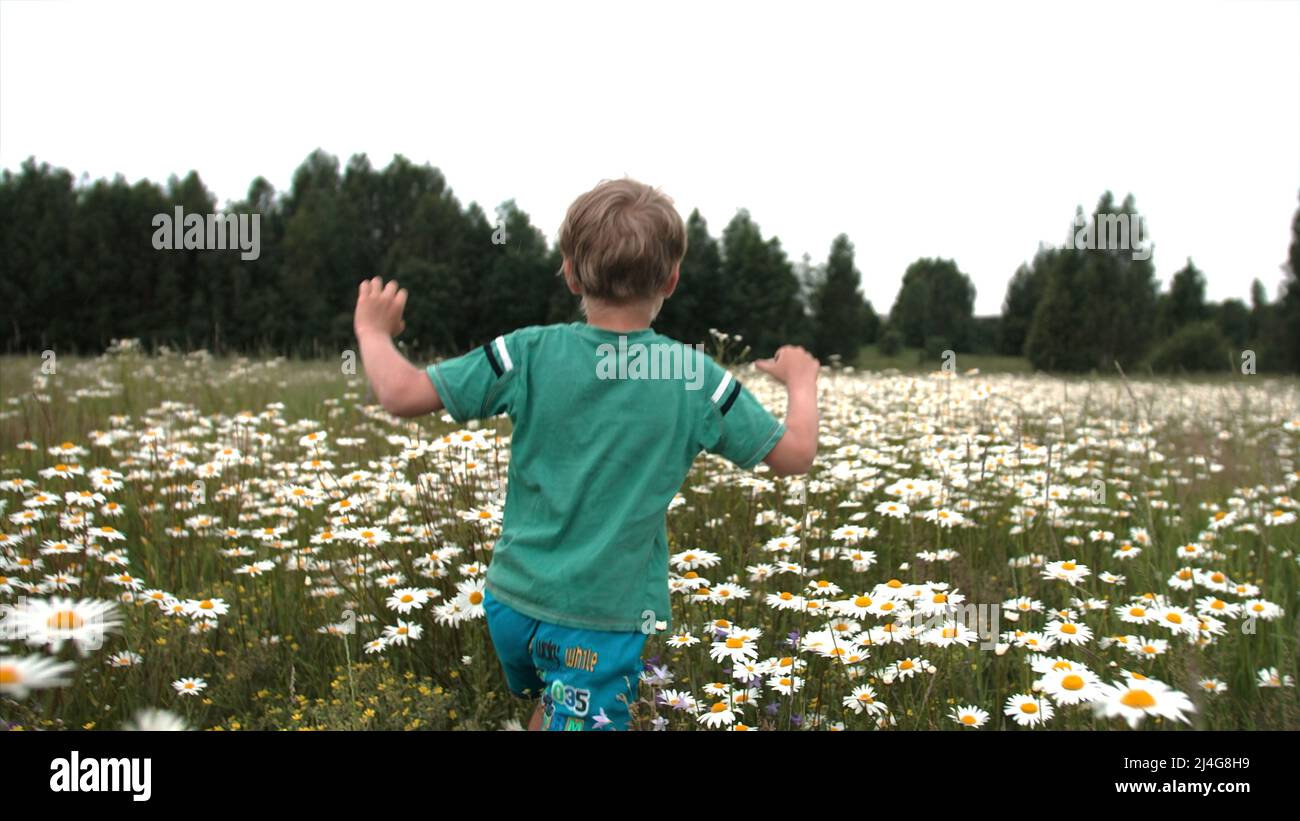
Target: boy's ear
{"points": [[671, 284]]}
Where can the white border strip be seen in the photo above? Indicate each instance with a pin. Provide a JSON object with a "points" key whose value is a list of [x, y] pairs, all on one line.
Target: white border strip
{"points": [[722, 386], [506, 364]]}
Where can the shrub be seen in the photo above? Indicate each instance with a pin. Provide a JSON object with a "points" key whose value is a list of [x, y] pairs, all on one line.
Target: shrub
{"points": [[1198, 346], [891, 342]]}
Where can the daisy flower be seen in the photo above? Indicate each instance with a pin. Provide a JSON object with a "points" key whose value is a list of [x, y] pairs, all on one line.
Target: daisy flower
{"points": [[736, 648], [898, 510], [1261, 609], [679, 700], [1148, 648], [1073, 686], [19, 675], [683, 639], [969, 716], [863, 699], [1027, 710], [1213, 686], [469, 597], [51, 622], [189, 686], [848, 533], [785, 685], [1067, 571], [1068, 632], [719, 715], [1177, 620], [782, 543], [1136, 613], [1136, 699], [406, 599], [402, 631], [206, 608], [692, 559], [1268, 677], [150, 719]]}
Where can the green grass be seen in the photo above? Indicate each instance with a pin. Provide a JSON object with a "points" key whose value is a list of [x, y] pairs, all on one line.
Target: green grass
{"points": [[915, 360]]}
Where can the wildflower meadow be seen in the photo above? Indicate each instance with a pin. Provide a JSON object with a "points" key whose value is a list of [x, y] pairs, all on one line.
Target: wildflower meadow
{"points": [[234, 543]]}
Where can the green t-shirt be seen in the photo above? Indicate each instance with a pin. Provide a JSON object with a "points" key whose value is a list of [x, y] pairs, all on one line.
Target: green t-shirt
{"points": [[606, 426]]}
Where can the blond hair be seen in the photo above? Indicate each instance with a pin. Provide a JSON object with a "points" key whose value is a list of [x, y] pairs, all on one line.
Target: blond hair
{"points": [[624, 238]]}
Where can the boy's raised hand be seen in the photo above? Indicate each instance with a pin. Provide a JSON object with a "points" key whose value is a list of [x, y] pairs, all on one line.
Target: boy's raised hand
{"points": [[790, 365], [379, 308]]}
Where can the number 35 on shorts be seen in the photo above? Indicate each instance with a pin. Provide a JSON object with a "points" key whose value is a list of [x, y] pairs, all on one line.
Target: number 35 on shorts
{"points": [[576, 699]]}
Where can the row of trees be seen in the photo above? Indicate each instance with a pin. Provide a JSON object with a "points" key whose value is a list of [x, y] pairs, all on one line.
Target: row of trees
{"points": [[1075, 309], [80, 268]]}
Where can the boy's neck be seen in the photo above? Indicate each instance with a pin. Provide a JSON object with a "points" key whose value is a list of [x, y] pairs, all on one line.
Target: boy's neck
{"points": [[631, 317]]}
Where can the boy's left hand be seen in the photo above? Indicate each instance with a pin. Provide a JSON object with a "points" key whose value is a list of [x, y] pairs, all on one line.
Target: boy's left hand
{"points": [[379, 308]]}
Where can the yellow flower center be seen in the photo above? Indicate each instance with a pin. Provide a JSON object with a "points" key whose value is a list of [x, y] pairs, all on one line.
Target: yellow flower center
{"points": [[65, 620], [1140, 699]]}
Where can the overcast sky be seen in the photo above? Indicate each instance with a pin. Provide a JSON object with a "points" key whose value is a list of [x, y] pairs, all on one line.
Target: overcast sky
{"points": [[963, 130]]}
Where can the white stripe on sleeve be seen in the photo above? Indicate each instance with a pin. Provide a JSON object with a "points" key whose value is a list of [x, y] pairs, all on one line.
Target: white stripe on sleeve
{"points": [[722, 386], [506, 364]]}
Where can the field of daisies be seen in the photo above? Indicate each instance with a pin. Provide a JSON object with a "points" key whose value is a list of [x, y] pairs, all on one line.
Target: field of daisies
{"points": [[187, 542]]}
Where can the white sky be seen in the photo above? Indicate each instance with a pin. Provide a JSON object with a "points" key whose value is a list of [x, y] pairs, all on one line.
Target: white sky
{"points": [[963, 130]]}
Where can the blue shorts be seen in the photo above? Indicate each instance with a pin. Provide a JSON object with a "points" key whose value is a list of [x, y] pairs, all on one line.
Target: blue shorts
{"points": [[580, 675]]}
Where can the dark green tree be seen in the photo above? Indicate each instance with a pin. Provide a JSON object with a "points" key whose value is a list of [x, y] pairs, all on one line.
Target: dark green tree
{"points": [[1185, 302], [1098, 303], [842, 319], [935, 300]]}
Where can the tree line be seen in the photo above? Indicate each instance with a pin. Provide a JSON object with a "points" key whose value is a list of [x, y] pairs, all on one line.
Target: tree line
{"points": [[80, 268]]}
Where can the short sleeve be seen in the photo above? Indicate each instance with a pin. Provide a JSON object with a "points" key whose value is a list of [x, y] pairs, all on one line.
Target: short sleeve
{"points": [[477, 384], [741, 430]]}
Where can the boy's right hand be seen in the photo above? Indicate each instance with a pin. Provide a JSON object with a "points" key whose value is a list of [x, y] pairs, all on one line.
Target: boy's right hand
{"points": [[379, 308], [790, 365]]}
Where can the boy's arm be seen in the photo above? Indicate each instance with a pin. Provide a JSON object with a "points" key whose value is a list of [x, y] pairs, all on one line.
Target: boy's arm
{"points": [[797, 370], [402, 388]]}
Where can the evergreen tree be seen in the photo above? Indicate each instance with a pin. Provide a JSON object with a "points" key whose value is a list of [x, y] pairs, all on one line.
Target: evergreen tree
{"points": [[1185, 302], [839, 313], [1098, 305]]}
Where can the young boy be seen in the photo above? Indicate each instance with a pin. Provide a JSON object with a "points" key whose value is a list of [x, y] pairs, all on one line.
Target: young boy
{"points": [[579, 576]]}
